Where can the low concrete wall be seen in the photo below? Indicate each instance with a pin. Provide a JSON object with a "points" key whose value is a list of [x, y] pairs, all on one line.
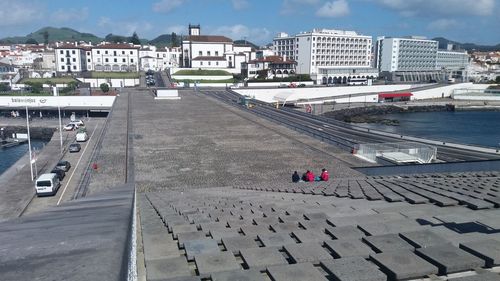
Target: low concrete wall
{"points": [[277, 84], [167, 94], [445, 91], [199, 77], [40, 133], [113, 83], [271, 95]]}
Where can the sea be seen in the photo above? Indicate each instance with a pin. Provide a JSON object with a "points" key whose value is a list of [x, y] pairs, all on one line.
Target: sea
{"points": [[9, 156], [480, 128]]}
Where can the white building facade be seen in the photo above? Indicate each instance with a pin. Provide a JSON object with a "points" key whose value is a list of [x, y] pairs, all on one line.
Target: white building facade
{"points": [[155, 59], [328, 56], [70, 59], [115, 58]]}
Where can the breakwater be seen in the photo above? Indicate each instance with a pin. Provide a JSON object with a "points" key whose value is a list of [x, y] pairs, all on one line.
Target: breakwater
{"points": [[39, 133]]}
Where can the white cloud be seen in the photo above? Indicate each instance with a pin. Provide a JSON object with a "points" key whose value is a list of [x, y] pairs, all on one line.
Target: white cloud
{"points": [[70, 15], [338, 8], [441, 7], [291, 6], [165, 6], [239, 31], [240, 4], [125, 28], [443, 24], [17, 12]]}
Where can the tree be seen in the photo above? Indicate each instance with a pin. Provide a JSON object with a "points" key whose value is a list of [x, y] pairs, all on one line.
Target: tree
{"points": [[36, 87], [45, 35], [4, 87], [104, 87], [135, 39], [173, 40], [497, 79], [31, 41]]}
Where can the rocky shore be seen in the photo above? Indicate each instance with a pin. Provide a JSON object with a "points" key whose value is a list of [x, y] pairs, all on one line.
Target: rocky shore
{"points": [[376, 114]]}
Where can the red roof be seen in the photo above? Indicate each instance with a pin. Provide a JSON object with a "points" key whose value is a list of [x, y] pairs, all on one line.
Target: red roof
{"points": [[209, 38], [274, 59], [207, 58], [394, 95], [115, 46]]}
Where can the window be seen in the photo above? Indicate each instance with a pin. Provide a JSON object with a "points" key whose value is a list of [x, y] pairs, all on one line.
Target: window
{"points": [[105, 52], [216, 53], [216, 63], [131, 52], [114, 53], [61, 52], [98, 59], [98, 52], [74, 60], [124, 60], [62, 59], [208, 53], [123, 52], [62, 67], [115, 60], [201, 63], [200, 53], [106, 60], [73, 52], [74, 67], [131, 60], [209, 63], [88, 60]]}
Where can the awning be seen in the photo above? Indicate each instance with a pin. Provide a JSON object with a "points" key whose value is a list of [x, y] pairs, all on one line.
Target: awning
{"points": [[394, 95]]}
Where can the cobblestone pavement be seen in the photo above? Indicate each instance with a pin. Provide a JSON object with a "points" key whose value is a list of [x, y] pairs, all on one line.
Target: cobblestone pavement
{"points": [[199, 142]]}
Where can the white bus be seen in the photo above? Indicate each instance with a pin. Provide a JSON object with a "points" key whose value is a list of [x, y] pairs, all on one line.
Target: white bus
{"points": [[358, 81]]}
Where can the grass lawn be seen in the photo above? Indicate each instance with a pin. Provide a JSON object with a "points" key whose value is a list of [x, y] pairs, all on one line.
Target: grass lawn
{"points": [[115, 75], [202, 72], [55, 80], [28, 94], [226, 81]]}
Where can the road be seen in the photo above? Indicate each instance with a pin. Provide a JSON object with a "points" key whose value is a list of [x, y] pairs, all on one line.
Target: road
{"points": [[343, 134], [79, 162]]}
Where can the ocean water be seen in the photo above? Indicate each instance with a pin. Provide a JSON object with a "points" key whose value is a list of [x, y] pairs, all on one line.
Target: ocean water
{"points": [[468, 127], [9, 156]]}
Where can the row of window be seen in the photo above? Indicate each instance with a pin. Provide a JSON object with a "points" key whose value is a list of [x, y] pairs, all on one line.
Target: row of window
{"points": [[98, 60], [106, 52], [341, 39], [352, 52], [209, 53], [340, 57], [209, 63], [341, 63]]}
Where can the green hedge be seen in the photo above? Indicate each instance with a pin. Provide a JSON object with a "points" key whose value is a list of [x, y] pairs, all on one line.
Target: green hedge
{"points": [[295, 78], [115, 75], [201, 72]]}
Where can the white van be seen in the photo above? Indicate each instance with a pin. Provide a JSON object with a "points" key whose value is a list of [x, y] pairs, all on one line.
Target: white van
{"points": [[82, 137], [47, 184]]}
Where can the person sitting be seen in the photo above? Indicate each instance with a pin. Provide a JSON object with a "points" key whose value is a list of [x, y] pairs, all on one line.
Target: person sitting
{"points": [[295, 177], [309, 176], [324, 175]]}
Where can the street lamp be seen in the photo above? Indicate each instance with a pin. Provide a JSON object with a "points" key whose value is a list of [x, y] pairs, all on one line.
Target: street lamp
{"points": [[29, 141]]}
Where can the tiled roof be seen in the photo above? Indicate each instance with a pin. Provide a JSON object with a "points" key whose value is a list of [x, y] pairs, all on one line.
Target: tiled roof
{"points": [[69, 46], [115, 46], [209, 38], [207, 58], [273, 59]]}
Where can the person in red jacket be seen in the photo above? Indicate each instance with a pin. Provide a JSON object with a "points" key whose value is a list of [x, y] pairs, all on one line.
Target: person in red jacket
{"points": [[309, 176], [324, 175]]}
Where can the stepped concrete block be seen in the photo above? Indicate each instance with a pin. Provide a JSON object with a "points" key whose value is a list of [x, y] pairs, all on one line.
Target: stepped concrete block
{"points": [[487, 276], [215, 262], [423, 238], [305, 236], [239, 275], [159, 246], [307, 252], [387, 243], [218, 235], [260, 258], [345, 232], [404, 264], [201, 246], [176, 229], [186, 236], [450, 259], [296, 272], [488, 250], [287, 227], [349, 248], [354, 269], [254, 230], [275, 239], [167, 268], [235, 244]]}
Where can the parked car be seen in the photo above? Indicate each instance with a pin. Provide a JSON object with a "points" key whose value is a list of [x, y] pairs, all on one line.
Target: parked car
{"points": [[78, 123], [75, 147], [47, 184], [63, 165], [282, 85], [302, 85], [60, 173], [292, 85], [330, 85], [82, 137], [69, 127]]}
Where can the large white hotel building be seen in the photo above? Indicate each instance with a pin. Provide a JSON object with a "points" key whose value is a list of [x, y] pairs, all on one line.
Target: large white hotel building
{"points": [[328, 56]]}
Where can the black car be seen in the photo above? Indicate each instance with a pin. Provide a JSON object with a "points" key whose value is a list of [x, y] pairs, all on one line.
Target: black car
{"points": [[74, 147], [63, 165], [60, 173]]}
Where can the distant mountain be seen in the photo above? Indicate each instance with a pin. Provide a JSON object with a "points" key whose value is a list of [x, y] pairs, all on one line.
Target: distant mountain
{"points": [[162, 40], [443, 43], [54, 34], [246, 42]]}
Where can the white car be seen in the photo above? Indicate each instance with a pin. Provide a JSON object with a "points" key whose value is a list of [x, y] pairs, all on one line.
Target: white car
{"points": [[78, 123], [70, 127]]}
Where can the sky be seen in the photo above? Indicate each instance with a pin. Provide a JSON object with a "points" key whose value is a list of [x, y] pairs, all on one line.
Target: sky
{"points": [[474, 21]]}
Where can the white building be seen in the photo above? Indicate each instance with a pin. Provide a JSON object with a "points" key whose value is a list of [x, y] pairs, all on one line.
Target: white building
{"points": [[70, 58], [115, 58], [159, 59], [213, 51], [328, 56], [271, 66]]}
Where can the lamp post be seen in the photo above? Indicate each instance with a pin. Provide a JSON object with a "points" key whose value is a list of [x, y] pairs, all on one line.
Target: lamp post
{"points": [[60, 121], [29, 141]]}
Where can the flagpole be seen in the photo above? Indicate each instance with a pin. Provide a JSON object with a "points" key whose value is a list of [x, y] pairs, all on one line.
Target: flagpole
{"points": [[29, 140], [60, 121]]}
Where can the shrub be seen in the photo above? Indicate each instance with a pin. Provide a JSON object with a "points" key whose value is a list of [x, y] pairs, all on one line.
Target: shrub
{"points": [[104, 87]]}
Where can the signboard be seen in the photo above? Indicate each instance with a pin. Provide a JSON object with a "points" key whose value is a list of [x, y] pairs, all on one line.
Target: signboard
{"points": [[67, 102]]}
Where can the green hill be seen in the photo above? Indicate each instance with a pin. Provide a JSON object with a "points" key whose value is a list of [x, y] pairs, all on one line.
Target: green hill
{"points": [[443, 42], [54, 34]]}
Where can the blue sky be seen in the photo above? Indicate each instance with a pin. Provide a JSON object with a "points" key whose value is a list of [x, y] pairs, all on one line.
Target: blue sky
{"points": [[474, 21]]}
